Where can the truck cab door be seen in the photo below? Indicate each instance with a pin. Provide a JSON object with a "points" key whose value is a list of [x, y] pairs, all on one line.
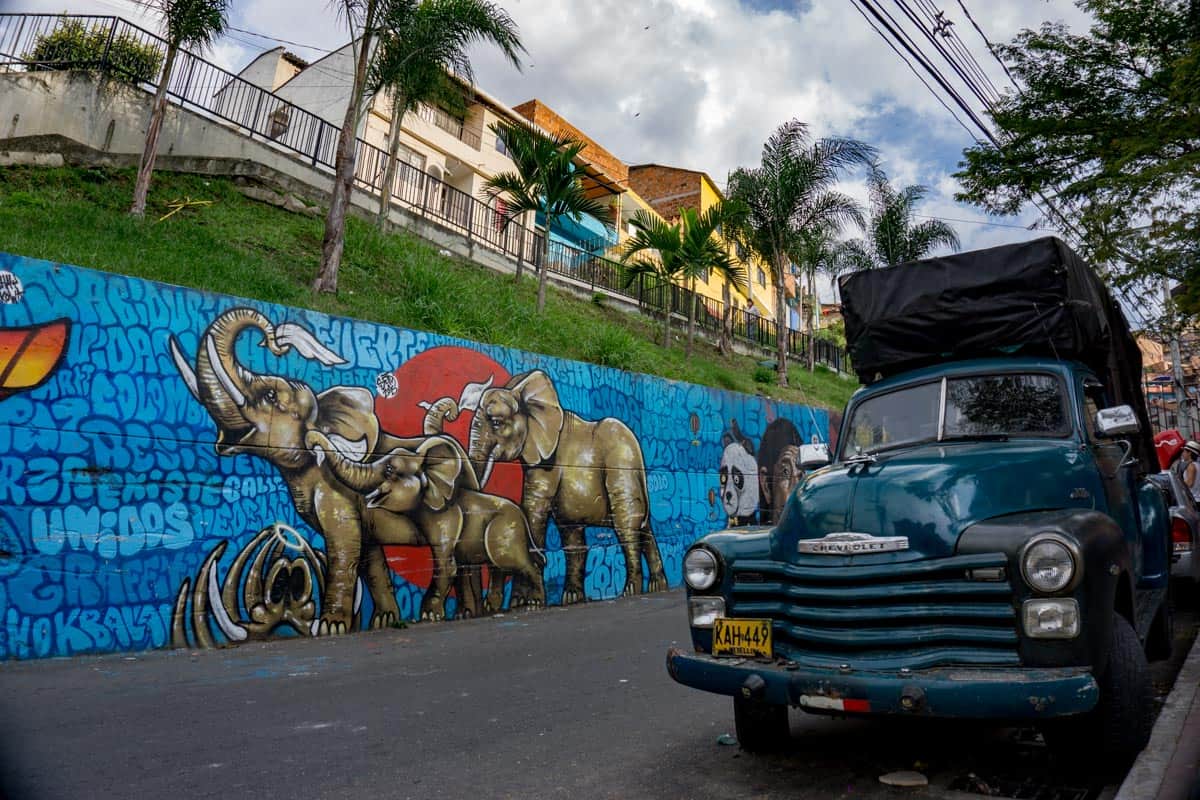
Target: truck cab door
{"points": [[1116, 471]]}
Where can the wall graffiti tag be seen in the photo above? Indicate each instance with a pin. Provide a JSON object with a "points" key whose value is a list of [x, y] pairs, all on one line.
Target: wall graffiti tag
{"points": [[187, 469]]}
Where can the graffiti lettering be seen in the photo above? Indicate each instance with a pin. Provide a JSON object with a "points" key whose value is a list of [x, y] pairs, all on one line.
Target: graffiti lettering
{"points": [[122, 491]]}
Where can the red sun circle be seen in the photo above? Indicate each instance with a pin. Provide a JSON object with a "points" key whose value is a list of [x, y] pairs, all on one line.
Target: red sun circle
{"points": [[429, 376]]}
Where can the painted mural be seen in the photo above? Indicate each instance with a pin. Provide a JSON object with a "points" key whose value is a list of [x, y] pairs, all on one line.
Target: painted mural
{"points": [[188, 469]]}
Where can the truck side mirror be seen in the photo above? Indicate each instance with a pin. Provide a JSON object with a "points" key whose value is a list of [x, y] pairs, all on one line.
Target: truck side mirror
{"points": [[1116, 421], [813, 456]]}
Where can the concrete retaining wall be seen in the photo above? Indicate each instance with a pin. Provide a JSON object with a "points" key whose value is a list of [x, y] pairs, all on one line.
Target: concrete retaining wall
{"points": [[149, 498]]}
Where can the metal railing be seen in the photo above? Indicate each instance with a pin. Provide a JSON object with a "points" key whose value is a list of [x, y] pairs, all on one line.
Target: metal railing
{"points": [[203, 87], [440, 118]]}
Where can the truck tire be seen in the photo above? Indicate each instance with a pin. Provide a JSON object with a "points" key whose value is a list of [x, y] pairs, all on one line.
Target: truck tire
{"points": [[1118, 728], [761, 727]]}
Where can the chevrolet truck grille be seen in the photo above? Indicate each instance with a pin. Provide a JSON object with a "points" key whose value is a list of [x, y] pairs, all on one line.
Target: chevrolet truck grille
{"points": [[916, 614]]}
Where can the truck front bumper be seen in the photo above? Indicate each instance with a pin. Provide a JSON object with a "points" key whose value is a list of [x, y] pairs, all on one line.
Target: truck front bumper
{"points": [[1009, 694]]}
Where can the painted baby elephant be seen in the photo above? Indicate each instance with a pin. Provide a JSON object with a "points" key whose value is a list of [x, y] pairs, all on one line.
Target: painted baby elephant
{"points": [[434, 486], [268, 416], [582, 472]]}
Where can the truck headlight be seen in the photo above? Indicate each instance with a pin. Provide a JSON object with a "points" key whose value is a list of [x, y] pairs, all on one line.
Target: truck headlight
{"points": [[1055, 618], [703, 610], [700, 568], [1048, 563]]}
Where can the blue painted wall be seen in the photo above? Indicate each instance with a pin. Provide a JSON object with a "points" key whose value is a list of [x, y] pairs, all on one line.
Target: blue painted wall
{"points": [[120, 523]]}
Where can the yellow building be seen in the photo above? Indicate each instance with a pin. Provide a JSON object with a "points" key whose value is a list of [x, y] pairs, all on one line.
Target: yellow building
{"points": [[666, 191]]}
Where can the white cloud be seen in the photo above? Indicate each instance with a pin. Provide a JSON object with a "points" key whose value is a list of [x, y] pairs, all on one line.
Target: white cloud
{"points": [[701, 83]]}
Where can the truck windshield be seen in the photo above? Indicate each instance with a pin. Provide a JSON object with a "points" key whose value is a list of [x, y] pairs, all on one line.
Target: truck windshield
{"points": [[970, 407]]}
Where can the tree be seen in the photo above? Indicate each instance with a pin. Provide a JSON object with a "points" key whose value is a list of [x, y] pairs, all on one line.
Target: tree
{"points": [[545, 181], [891, 237], [1105, 124], [188, 23], [368, 18], [680, 253], [654, 251], [422, 50], [792, 190]]}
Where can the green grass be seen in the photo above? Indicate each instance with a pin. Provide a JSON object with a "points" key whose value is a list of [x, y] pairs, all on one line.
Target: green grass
{"points": [[241, 247]]}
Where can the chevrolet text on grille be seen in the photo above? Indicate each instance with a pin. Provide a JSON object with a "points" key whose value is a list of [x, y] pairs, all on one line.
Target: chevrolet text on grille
{"points": [[850, 543]]}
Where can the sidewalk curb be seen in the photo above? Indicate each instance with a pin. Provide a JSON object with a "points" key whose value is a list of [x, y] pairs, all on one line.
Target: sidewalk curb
{"points": [[1146, 777]]}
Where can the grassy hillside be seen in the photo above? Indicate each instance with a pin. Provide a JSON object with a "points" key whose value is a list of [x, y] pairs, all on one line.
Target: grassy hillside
{"points": [[242, 247]]}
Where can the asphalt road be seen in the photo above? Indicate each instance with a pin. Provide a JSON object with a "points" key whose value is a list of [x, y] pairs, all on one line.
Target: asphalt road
{"points": [[558, 703]]}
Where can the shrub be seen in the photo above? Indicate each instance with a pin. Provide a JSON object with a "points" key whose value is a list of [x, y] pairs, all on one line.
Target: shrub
{"points": [[764, 375], [613, 347], [72, 45]]}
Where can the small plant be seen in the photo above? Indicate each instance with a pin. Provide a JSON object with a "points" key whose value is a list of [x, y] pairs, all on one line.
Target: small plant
{"points": [[73, 46], [613, 347], [599, 298], [764, 374]]}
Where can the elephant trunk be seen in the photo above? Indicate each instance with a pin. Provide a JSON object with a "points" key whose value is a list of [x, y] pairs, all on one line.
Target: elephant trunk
{"points": [[221, 382], [354, 474], [481, 448]]}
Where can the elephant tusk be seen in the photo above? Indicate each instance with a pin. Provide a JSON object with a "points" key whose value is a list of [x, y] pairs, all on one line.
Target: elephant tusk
{"points": [[487, 470], [374, 498], [358, 595], [235, 394], [185, 369], [350, 449], [232, 631], [319, 455], [178, 630], [200, 599], [234, 577]]}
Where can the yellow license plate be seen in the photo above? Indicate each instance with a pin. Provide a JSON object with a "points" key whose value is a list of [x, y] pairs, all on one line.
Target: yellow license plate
{"points": [[742, 637]]}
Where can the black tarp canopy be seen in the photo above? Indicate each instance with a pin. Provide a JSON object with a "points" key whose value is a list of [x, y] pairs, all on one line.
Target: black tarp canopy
{"points": [[1032, 298]]}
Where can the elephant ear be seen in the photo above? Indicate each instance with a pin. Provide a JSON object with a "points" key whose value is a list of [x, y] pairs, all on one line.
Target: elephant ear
{"points": [[539, 401], [347, 416], [443, 462]]}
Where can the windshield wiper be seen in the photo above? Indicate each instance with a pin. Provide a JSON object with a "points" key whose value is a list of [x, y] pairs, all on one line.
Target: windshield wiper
{"points": [[975, 437]]}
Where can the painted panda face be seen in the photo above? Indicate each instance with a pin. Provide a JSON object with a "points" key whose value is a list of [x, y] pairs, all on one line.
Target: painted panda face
{"points": [[739, 481]]}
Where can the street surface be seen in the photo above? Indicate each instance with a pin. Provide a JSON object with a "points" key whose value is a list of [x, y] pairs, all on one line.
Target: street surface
{"points": [[551, 704]]}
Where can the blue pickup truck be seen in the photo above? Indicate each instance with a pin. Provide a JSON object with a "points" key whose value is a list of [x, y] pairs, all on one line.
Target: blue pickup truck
{"points": [[986, 543]]}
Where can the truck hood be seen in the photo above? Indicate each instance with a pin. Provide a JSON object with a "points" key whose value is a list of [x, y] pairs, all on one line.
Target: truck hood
{"points": [[931, 493]]}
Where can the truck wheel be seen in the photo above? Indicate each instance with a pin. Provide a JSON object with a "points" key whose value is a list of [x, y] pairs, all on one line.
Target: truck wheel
{"points": [[1117, 729], [761, 727]]}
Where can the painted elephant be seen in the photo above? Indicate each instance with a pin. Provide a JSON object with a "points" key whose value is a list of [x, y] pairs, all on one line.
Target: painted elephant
{"points": [[269, 416], [435, 486], [582, 472]]}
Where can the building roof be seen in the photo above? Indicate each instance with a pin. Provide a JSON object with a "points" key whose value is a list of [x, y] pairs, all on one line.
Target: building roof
{"points": [[604, 173]]}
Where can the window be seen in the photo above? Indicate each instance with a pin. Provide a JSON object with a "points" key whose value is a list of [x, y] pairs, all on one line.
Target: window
{"points": [[502, 141], [703, 276], [762, 277], [979, 407]]}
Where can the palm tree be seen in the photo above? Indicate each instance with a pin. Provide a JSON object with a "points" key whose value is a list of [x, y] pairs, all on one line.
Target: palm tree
{"points": [[792, 190], [188, 23], [424, 43], [367, 18], [546, 182], [891, 237], [681, 252], [654, 251]]}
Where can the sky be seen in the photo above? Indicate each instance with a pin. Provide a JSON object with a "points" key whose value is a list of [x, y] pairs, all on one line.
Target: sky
{"points": [[702, 84]]}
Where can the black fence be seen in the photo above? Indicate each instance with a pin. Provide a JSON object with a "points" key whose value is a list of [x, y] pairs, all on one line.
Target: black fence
{"points": [[108, 44]]}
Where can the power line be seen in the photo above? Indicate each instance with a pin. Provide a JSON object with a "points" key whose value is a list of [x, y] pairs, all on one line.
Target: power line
{"points": [[908, 64], [988, 42]]}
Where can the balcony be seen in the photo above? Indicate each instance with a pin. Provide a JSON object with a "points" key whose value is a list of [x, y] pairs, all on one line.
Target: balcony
{"points": [[450, 124]]}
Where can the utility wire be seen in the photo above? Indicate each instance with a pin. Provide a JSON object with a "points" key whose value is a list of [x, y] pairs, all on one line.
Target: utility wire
{"points": [[988, 42], [920, 77]]}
